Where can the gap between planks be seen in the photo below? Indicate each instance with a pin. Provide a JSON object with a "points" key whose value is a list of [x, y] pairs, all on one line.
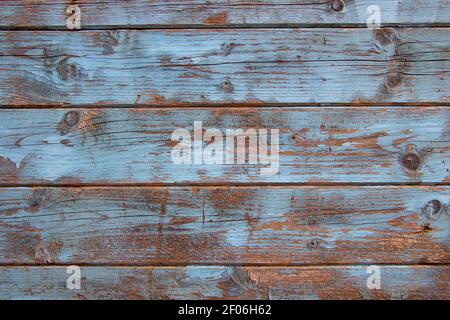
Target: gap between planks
{"points": [[330, 185], [234, 105], [200, 265], [228, 26]]}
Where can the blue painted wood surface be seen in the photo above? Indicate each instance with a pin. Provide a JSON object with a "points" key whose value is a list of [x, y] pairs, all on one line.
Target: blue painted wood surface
{"points": [[219, 282], [364, 127], [226, 66], [186, 13], [133, 146]]}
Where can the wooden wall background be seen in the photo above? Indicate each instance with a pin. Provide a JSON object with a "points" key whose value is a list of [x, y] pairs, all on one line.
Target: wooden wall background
{"points": [[85, 172]]}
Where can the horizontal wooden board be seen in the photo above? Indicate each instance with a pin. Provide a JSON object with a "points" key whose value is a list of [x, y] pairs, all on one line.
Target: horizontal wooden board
{"points": [[224, 225], [144, 13], [224, 66], [218, 282], [316, 145]]}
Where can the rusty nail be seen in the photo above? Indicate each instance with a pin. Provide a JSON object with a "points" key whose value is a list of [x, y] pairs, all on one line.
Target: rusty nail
{"points": [[72, 118], [393, 80], [337, 5], [433, 208]]}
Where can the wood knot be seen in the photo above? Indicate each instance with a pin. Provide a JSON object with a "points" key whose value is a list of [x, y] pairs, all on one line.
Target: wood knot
{"points": [[432, 209], [411, 161], [426, 228], [227, 86], [314, 244], [337, 5], [66, 70], [38, 199], [241, 277], [42, 255], [72, 118], [384, 36], [226, 48], [392, 80]]}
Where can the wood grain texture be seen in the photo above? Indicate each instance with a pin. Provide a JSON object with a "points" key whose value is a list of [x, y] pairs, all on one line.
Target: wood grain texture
{"points": [[218, 282], [227, 66], [144, 13], [317, 145], [224, 225]]}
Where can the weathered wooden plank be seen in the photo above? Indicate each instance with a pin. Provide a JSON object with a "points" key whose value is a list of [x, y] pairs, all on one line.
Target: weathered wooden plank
{"points": [[207, 67], [220, 282], [316, 145], [143, 13], [223, 225]]}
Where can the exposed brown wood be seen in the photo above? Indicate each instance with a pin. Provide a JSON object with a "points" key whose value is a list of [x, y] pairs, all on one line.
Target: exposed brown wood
{"points": [[218, 282], [224, 225]]}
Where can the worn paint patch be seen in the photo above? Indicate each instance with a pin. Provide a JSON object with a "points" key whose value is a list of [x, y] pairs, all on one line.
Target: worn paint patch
{"points": [[8, 170], [217, 19]]}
